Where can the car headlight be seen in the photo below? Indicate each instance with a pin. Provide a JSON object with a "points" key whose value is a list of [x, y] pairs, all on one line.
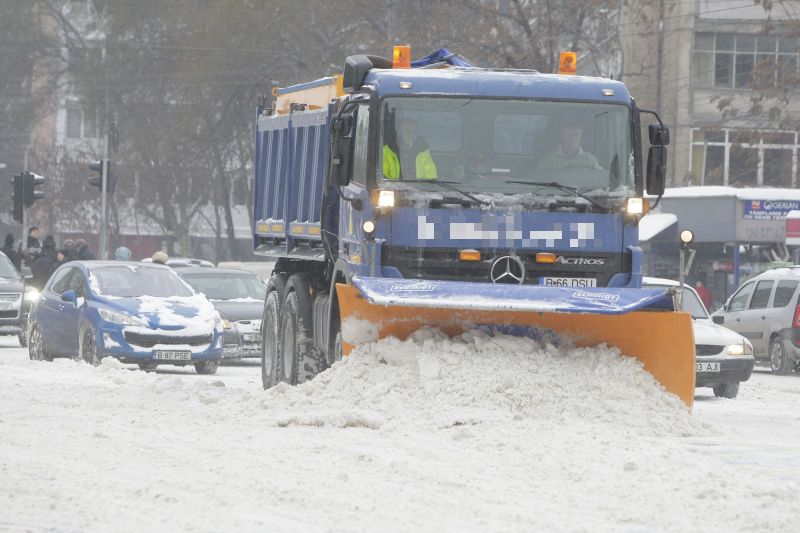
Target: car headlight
{"points": [[119, 318], [31, 294], [739, 349]]}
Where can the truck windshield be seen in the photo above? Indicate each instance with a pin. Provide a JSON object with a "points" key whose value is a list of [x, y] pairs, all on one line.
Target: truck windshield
{"points": [[482, 145]]}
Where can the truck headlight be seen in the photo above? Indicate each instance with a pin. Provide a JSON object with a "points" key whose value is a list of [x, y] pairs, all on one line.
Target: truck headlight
{"points": [[119, 318], [739, 349], [226, 324], [636, 206], [384, 198]]}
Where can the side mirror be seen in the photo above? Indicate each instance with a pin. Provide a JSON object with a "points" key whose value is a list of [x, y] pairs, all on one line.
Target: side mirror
{"points": [[69, 296], [656, 170], [342, 150], [658, 135], [26, 272], [718, 319]]}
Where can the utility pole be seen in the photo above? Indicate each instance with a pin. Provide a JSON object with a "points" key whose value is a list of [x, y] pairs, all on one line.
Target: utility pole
{"points": [[103, 252]]}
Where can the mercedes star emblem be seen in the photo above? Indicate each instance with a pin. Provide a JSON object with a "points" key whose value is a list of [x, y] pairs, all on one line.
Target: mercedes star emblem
{"points": [[507, 269]]}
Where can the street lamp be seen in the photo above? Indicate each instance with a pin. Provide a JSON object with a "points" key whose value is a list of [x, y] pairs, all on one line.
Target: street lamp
{"points": [[687, 237]]}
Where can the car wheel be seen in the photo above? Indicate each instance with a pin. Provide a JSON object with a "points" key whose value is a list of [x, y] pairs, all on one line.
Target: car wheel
{"points": [[36, 347], [88, 348], [270, 353], [779, 360], [147, 367], [300, 360], [726, 390], [206, 367]]}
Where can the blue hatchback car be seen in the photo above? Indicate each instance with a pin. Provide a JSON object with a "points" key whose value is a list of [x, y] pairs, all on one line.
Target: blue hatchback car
{"points": [[136, 312]]}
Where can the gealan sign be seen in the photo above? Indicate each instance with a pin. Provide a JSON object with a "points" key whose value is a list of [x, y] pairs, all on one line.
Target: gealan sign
{"points": [[768, 209]]}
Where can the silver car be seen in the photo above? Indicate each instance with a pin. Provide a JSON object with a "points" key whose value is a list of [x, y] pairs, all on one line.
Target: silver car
{"points": [[723, 357], [766, 310]]}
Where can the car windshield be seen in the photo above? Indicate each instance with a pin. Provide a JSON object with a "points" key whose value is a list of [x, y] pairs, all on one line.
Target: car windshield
{"points": [[7, 269], [134, 281], [224, 286], [480, 145], [691, 302]]}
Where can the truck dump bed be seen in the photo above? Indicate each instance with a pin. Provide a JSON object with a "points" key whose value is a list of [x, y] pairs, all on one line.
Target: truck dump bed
{"points": [[291, 157]]}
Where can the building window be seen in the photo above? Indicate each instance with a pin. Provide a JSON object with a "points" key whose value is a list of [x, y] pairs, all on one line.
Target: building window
{"points": [[744, 158], [81, 122], [744, 61]]}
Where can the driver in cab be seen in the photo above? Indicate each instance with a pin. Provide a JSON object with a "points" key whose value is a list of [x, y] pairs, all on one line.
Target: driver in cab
{"points": [[410, 158], [569, 153]]}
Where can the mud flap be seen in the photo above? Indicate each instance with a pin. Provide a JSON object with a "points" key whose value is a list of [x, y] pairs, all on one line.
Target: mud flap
{"points": [[639, 322]]}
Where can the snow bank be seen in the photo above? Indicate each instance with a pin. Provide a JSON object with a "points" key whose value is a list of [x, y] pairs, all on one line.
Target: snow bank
{"points": [[433, 381]]}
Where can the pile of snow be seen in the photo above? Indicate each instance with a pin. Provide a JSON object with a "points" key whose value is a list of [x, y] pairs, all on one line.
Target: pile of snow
{"points": [[432, 380]]}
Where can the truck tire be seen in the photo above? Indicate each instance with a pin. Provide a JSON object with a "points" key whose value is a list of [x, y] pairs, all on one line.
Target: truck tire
{"points": [[270, 336], [726, 390], [300, 360], [779, 359]]}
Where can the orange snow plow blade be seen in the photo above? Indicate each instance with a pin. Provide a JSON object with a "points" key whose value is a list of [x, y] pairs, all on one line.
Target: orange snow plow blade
{"points": [[662, 340]]}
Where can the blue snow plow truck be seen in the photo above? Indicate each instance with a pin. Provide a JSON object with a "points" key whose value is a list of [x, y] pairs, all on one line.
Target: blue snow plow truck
{"points": [[405, 194]]}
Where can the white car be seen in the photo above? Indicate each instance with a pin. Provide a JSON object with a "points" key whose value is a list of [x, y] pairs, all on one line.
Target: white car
{"points": [[724, 358]]}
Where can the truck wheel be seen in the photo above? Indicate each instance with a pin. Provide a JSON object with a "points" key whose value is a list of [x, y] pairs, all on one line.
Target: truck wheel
{"points": [[300, 360], [277, 284], [726, 390], [779, 360], [270, 324]]}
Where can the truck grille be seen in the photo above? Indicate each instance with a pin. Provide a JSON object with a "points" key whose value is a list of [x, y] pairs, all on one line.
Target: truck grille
{"points": [[148, 341], [708, 349], [443, 264]]}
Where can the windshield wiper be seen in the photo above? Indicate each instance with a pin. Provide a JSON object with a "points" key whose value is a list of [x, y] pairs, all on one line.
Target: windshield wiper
{"points": [[446, 185], [562, 187]]}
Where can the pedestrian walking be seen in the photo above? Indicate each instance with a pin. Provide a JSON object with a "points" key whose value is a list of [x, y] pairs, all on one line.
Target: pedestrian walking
{"points": [[123, 253], [43, 265], [83, 251], [160, 258]]}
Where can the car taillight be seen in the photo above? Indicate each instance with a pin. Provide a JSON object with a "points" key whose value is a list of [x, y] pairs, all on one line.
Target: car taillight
{"points": [[796, 319]]}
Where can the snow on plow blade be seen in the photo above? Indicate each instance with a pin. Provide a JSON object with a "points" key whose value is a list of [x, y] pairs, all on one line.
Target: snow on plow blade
{"points": [[641, 323]]}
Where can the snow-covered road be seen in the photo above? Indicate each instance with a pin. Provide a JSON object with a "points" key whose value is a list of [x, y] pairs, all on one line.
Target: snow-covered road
{"points": [[473, 434]]}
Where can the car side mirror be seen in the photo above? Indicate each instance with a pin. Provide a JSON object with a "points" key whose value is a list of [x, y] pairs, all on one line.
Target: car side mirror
{"points": [[69, 296], [718, 319]]}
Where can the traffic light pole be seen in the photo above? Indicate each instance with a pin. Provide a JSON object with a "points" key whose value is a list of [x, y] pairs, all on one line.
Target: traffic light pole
{"points": [[23, 240], [103, 252]]}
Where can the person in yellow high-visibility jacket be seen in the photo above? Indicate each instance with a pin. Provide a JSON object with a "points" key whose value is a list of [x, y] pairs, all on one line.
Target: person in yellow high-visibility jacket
{"points": [[414, 159]]}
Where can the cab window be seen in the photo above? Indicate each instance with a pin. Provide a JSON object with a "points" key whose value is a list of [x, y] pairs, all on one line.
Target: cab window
{"points": [[360, 150], [761, 295], [783, 293], [739, 300]]}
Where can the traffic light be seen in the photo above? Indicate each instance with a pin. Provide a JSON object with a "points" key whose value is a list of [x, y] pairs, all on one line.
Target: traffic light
{"points": [[19, 196], [29, 183], [97, 181]]}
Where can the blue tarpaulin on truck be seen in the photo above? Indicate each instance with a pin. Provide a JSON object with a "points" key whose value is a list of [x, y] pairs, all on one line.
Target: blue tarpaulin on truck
{"points": [[443, 55]]}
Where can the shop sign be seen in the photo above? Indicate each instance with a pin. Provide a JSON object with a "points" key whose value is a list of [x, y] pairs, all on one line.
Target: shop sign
{"points": [[768, 209]]}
